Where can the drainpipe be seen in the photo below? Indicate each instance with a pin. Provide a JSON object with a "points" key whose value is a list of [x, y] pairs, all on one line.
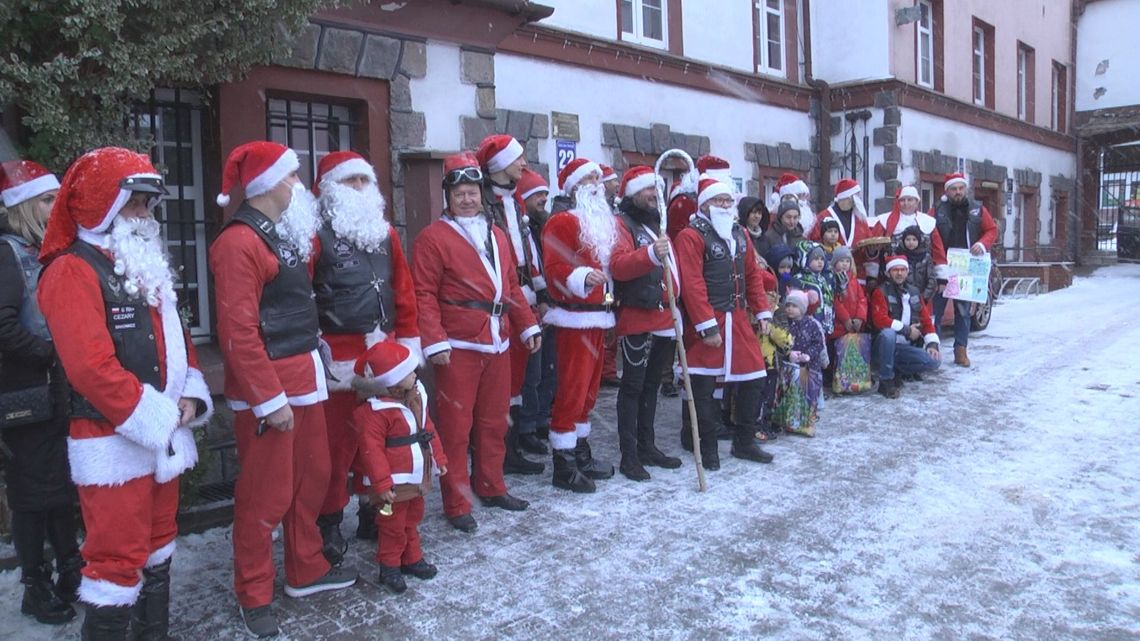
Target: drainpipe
{"points": [[823, 137]]}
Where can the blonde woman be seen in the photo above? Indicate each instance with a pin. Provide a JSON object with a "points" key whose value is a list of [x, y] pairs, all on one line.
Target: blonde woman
{"points": [[40, 492]]}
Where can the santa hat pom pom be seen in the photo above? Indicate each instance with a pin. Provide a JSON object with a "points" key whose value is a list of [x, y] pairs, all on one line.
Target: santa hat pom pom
{"points": [[813, 297], [222, 200]]}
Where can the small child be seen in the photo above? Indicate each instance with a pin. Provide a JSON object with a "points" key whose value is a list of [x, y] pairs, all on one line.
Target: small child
{"points": [[917, 252], [781, 260], [850, 300], [802, 378], [815, 277], [829, 235], [396, 450]]}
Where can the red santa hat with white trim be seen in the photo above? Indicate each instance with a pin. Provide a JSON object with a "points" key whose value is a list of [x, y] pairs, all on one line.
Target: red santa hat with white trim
{"points": [[956, 178], [608, 173], [530, 183], [93, 192], [387, 362], [849, 188], [575, 171], [791, 185], [714, 167], [22, 180], [637, 178], [340, 165], [258, 166], [711, 188], [909, 191], [897, 261], [497, 152]]}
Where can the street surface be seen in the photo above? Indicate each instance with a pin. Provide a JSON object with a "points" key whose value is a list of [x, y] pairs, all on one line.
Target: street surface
{"points": [[998, 502]]}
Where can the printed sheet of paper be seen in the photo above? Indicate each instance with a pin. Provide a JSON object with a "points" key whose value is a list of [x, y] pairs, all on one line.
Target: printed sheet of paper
{"points": [[969, 276]]}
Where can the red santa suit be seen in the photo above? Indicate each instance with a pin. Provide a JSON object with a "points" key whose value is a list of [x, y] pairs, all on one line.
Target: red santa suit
{"points": [[851, 305], [851, 234], [582, 315], [284, 474], [738, 358], [397, 445], [347, 345], [470, 303], [126, 447]]}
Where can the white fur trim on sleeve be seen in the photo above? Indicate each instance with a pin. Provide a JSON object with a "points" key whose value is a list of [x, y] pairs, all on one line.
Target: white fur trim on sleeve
{"points": [[702, 326], [897, 325], [413, 345], [942, 272], [436, 348], [582, 430], [168, 467], [343, 371], [576, 281], [152, 421], [197, 389], [533, 330], [103, 592], [931, 338], [652, 255]]}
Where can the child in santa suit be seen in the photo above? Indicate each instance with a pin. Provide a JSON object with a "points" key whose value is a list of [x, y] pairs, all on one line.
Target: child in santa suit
{"points": [[396, 437]]}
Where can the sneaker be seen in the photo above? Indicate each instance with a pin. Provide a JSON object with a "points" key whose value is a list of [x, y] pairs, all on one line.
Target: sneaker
{"points": [[334, 579], [260, 621], [391, 578], [420, 569]]}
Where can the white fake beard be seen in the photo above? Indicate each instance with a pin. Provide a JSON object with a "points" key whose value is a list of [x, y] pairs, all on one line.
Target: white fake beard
{"points": [[597, 224], [356, 216], [141, 259], [722, 219], [300, 222], [476, 228]]}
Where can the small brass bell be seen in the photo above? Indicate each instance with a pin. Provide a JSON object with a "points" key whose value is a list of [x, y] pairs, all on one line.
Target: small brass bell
{"points": [[385, 510], [609, 299]]}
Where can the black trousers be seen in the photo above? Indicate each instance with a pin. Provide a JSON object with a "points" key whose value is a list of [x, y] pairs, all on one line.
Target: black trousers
{"points": [[645, 359]]}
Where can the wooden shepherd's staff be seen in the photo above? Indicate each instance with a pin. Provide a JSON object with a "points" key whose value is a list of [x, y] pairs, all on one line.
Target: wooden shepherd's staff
{"points": [[669, 271]]}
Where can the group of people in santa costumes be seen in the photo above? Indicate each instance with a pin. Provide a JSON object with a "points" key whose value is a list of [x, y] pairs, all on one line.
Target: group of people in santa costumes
{"points": [[108, 298]]}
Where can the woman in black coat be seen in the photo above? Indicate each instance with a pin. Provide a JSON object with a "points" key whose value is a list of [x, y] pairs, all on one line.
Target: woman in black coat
{"points": [[40, 492], [752, 214]]}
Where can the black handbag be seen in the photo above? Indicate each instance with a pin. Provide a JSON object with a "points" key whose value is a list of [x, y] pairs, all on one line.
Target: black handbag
{"points": [[25, 406]]}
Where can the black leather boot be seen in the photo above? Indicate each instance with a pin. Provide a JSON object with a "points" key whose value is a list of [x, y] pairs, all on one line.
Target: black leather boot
{"points": [[708, 417], [647, 452], [744, 445], [40, 599], [150, 615], [748, 397], [333, 545], [67, 584], [366, 522], [514, 462], [567, 476], [106, 623], [588, 465]]}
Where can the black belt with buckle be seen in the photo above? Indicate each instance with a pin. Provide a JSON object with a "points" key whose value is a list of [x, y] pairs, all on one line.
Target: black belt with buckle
{"points": [[411, 439], [585, 307], [492, 308]]}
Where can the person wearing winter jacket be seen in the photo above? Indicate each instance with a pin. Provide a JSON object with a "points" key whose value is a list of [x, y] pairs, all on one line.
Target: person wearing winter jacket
{"points": [[40, 492], [785, 229], [808, 354], [850, 300], [913, 245], [901, 320]]}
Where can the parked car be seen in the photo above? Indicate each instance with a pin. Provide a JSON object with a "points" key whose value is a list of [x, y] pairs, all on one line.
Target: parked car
{"points": [[1128, 233]]}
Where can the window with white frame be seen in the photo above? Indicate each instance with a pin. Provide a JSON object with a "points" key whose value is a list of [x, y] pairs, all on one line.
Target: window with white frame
{"points": [[644, 22], [979, 66], [770, 55], [926, 191], [1022, 83], [924, 44]]}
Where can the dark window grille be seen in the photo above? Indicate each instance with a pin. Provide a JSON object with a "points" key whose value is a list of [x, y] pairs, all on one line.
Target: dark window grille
{"points": [[312, 129]]}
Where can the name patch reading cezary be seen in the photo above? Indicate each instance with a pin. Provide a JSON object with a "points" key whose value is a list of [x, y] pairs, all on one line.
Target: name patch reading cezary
{"points": [[124, 317]]}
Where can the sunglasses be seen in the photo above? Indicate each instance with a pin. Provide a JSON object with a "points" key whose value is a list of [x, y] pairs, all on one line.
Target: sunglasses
{"points": [[463, 175]]}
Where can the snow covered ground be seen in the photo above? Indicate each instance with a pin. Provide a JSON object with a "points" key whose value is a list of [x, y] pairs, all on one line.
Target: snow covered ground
{"points": [[998, 502]]}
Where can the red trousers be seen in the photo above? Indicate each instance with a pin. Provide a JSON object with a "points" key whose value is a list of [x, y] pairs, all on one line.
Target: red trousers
{"points": [[520, 357], [342, 448], [472, 404], [126, 525], [579, 372], [283, 479], [399, 534]]}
